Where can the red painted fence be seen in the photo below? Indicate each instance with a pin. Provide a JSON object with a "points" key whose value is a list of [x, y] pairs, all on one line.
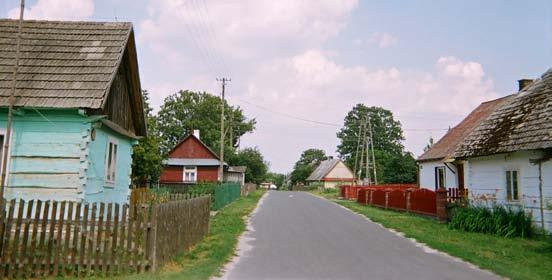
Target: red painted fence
{"points": [[402, 197]]}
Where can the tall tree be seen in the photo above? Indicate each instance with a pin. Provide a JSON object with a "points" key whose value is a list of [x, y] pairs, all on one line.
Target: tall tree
{"points": [[146, 156], [257, 167], [306, 164], [393, 164], [185, 111]]}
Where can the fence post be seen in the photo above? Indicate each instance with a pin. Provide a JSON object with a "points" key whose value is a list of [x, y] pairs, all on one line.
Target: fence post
{"points": [[408, 205], [441, 202], [371, 196], [152, 246], [386, 198]]}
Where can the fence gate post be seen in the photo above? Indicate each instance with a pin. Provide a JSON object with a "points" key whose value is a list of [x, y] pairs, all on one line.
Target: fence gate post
{"points": [[441, 202], [152, 246], [408, 205]]}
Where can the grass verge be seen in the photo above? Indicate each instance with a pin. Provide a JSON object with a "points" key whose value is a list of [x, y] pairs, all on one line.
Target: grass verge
{"points": [[207, 258], [514, 258]]}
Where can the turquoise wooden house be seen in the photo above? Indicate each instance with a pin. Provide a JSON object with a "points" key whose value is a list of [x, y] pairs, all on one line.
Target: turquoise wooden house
{"points": [[78, 110]]}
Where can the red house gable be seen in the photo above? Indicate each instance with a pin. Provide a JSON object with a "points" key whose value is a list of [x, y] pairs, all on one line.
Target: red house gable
{"points": [[190, 161], [191, 147]]}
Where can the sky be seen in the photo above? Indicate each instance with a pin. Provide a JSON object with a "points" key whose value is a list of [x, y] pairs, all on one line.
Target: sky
{"points": [[298, 66]]}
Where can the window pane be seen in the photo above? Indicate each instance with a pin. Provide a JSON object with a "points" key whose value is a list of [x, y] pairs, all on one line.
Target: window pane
{"points": [[515, 191], [114, 162], [109, 156], [509, 185]]}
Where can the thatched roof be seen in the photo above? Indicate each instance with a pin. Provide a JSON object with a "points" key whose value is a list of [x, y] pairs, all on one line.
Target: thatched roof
{"points": [[62, 64], [446, 146], [524, 122]]}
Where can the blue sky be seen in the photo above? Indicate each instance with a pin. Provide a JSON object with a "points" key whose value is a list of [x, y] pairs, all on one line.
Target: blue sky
{"points": [[430, 62]]}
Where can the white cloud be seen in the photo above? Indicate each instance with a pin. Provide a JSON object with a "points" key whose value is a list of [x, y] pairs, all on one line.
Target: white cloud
{"points": [[243, 29], [57, 10], [313, 86]]}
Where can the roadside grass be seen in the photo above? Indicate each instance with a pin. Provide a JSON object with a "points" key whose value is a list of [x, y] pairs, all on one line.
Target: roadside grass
{"points": [[208, 257], [515, 258]]}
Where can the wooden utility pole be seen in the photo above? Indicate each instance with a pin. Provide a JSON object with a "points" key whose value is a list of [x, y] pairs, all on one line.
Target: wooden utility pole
{"points": [[6, 149], [221, 166], [372, 145], [360, 136]]}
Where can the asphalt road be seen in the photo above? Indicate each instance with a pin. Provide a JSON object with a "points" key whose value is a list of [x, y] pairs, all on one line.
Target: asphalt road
{"points": [[295, 235]]}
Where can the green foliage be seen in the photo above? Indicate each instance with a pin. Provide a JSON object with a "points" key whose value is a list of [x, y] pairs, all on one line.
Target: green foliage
{"points": [[276, 178], [394, 165], [146, 156], [306, 164], [498, 220], [257, 168], [185, 111]]}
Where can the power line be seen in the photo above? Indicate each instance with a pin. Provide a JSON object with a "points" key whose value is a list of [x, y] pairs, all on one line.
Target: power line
{"points": [[326, 123]]}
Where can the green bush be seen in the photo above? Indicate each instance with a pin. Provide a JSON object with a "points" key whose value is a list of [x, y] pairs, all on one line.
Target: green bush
{"points": [[498, 220]]}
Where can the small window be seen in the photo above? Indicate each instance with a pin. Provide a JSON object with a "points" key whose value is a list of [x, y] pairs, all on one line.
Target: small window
{"points": [[111, 161], [440, 177], [512, 185], [190, 174]]}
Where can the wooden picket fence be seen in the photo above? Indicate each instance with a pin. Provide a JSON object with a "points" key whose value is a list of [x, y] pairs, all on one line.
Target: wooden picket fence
{"points": [[66, 238]]}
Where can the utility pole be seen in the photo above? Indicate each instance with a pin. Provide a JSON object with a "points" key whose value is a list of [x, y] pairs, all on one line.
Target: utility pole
{"points": [[368, 159], [372, 145], [221, 166], [360, 135], [11, 101]]}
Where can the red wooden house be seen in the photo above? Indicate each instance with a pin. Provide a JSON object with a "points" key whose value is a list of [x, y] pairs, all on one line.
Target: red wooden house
{"points": [[190, 161]]}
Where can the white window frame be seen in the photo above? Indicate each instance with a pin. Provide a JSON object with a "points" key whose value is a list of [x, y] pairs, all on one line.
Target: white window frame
{"points": [[444, 183], [108, 179], [189, 169], [509, 180]]}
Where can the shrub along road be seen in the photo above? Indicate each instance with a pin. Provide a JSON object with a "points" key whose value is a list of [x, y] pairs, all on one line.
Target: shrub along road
{"points": [[297, 235]]}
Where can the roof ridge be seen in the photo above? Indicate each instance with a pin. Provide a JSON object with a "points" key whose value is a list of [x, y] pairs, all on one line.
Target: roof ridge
{"points": [[67, 21]]}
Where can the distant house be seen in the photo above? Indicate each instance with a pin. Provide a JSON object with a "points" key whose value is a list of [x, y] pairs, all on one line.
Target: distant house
{"points": [[235, 174], [78, 110], [437, 166], [331, 172], [509, 154], [191, 161]]}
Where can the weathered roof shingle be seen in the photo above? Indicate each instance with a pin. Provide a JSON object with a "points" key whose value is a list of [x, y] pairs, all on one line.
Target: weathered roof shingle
{"points": [[524, 122], [323, 169], [446, 146], [62, 64]]}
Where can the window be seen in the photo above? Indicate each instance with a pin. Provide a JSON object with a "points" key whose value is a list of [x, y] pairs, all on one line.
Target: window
{"points": [[111, 161], [190, 174], [440, 177], [512, 185]]}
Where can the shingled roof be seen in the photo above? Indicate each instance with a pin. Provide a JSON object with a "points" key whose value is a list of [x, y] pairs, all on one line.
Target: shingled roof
{"points": [[446, 146], [323, 169], [62, 64], [524, 122]]}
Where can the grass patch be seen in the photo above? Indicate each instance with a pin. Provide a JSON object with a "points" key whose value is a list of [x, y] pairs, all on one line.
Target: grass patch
{"points": [[515, 258], [209, 256]]}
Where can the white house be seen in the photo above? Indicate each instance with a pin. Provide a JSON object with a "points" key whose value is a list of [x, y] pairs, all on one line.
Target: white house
{"points": [[437, 166], [508, 155], [332, 172]]}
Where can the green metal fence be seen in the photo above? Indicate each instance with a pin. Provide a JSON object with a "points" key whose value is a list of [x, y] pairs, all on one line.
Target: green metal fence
{"points": [[225, 194]]}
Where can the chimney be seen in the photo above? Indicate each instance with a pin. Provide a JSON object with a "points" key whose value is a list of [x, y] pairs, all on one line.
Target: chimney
{"points": [[523, 83], [196, 133]]}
